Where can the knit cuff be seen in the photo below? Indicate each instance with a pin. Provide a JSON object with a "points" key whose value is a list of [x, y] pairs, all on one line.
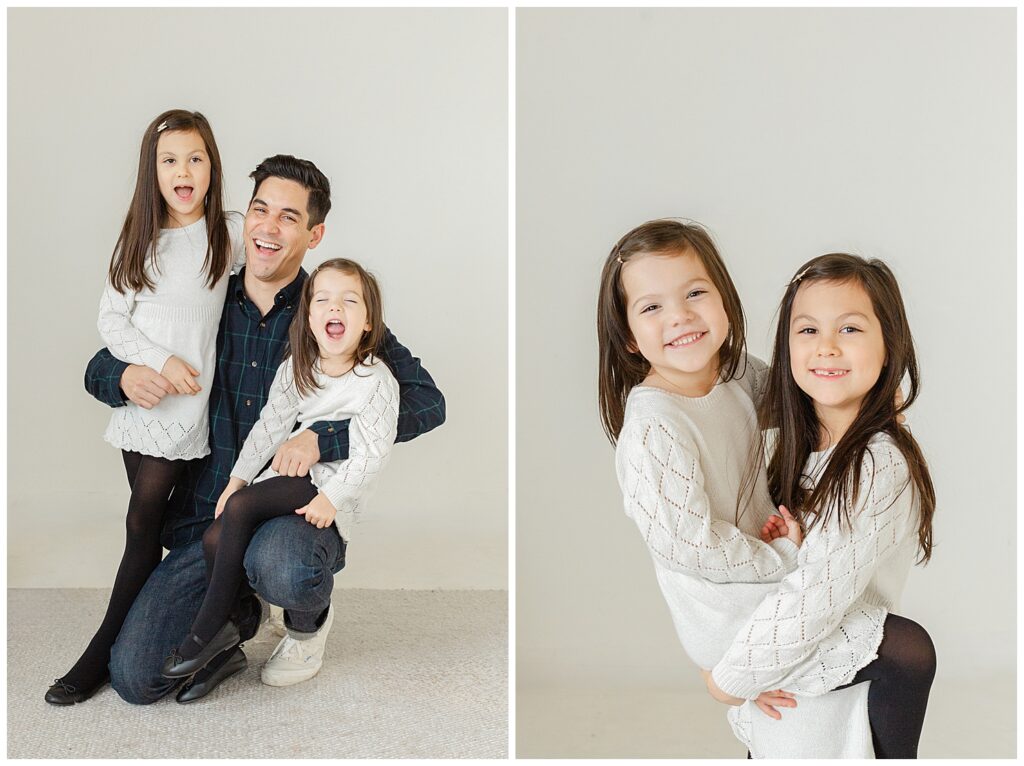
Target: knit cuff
{"points": [[735, 684], [787, 551], [245, 470], [155, 358]]}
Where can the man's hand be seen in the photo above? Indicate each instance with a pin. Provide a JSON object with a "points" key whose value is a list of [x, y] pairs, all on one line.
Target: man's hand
{"points": [[768, 701], [297, 455], [319, 512], [144, 386], [234, 484], [717, 693], [182, 376], [782, 526]]}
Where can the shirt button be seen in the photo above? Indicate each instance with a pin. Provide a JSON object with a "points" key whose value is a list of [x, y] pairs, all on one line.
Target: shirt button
{"points": [[248, 402], [263, 325], [253, 362], [330, 429]]}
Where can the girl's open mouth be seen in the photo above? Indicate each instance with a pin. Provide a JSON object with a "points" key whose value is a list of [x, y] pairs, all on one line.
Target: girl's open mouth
{"points": [[335, 329], [184, 193]]}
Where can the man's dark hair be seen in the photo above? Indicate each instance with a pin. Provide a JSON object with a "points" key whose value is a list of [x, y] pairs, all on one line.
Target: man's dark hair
{"points": [[304, 173]]}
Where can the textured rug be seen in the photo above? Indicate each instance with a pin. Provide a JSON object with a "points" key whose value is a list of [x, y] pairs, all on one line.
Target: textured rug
{"points": [[407, 674]]}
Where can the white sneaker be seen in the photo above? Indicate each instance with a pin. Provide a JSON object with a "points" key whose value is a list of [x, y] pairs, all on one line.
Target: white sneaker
{"points": [[296, 661], [275, 623]]}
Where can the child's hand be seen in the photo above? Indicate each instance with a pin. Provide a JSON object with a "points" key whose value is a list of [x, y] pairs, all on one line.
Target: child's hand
{"points": [[898, 401], [233, 486], [319, 512], [717, 693], [182, 376], [782, 526], [766, 702]]}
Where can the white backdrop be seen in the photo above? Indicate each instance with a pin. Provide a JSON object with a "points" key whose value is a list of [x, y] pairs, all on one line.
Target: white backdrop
{"points": [[789, 134], [406, 113]]}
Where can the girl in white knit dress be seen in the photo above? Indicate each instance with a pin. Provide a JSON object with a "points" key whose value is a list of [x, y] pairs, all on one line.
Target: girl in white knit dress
{"points": [[330, 372], [677, 395], [861, 484], [161, 308]]}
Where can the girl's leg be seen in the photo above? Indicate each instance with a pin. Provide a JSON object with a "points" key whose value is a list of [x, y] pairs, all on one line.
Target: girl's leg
{"points": [[151, 480], [225, 543], [901, 679]]}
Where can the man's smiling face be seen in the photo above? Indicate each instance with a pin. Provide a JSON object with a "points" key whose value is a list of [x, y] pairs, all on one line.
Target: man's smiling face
{"points": [[277, 233]]}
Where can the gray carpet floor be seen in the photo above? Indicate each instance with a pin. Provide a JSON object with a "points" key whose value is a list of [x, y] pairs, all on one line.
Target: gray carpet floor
{"points": [[407, 674]]}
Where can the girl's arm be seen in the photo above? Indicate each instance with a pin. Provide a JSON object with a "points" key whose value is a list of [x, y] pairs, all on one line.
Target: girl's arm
{"points": [[372, 436], [791, 628], [421, 407], [125, 340], [277, 418], [663, 489]]}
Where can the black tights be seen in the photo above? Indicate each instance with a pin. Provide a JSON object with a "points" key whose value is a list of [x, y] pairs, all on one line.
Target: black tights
{"points": [[225, 541], [151, 480], [901, 678]]}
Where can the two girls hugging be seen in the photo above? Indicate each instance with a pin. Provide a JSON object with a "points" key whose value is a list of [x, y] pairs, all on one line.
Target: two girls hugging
{"points": [[161, 308], [789, 609]]}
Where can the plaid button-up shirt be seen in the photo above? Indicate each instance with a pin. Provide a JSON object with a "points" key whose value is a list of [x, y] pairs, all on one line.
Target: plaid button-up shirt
{"points": [[250, 348]]}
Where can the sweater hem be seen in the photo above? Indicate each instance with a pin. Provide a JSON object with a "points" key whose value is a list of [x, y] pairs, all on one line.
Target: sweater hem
{"points": [[150, 452], [738, 684]]}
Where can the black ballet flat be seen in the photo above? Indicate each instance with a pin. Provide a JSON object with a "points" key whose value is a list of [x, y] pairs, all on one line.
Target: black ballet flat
{"points": [[206, 680], [177, 667], [63, 693]]}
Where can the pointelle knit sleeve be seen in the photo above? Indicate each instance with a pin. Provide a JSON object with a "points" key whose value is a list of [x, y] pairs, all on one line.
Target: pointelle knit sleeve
{"points": [[277, 418], [836, 563], [124, 340], [663, 492], [236, 236], [371, 438]]}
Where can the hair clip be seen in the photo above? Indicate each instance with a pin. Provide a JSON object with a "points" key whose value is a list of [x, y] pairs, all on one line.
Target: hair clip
{"points": [[799, 276], [161, 126], [619, 259]]}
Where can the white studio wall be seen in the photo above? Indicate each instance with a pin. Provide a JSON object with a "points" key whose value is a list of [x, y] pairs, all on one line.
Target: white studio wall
{"points": [[789, 133], [414, 141]]}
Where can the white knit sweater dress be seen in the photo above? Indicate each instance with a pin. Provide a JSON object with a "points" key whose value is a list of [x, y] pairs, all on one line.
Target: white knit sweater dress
{"points": [[680, 463], [838, 565], [368, 394], [179, 318]]}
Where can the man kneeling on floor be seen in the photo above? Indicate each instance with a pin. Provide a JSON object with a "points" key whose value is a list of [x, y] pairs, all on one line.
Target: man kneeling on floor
{"points": [[289, 562]]}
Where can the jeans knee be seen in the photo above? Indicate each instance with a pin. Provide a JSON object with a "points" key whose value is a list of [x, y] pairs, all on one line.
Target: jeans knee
{"points": [[289, 565], [291, 585], [131, 685]]}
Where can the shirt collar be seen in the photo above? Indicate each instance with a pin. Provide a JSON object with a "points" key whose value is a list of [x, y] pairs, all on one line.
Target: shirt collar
{"points": [[287, 295]]}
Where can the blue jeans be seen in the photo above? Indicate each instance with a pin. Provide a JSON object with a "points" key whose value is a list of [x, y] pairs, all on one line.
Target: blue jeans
{"points": [[289, 562]]}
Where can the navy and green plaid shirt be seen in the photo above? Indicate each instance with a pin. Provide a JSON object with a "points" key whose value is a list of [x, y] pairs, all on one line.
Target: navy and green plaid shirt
{"points": [[250, 349]]}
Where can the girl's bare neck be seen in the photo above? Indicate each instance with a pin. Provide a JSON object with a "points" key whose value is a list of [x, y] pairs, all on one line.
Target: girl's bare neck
{"points": [[693, 385], [336, 366]]}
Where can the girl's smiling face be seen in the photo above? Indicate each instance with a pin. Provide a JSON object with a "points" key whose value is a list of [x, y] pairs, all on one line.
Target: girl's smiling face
{"points": [[183, 175], [677, 318], [836, 349], [338, 314]]}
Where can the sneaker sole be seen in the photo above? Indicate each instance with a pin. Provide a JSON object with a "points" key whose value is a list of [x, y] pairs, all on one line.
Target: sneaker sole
{"points": [[288, 680]]}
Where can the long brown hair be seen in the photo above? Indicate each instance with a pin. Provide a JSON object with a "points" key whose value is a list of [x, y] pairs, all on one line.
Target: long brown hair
{"points": [[786, 407], [302, 345], [137, 242], [621, 369]]}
